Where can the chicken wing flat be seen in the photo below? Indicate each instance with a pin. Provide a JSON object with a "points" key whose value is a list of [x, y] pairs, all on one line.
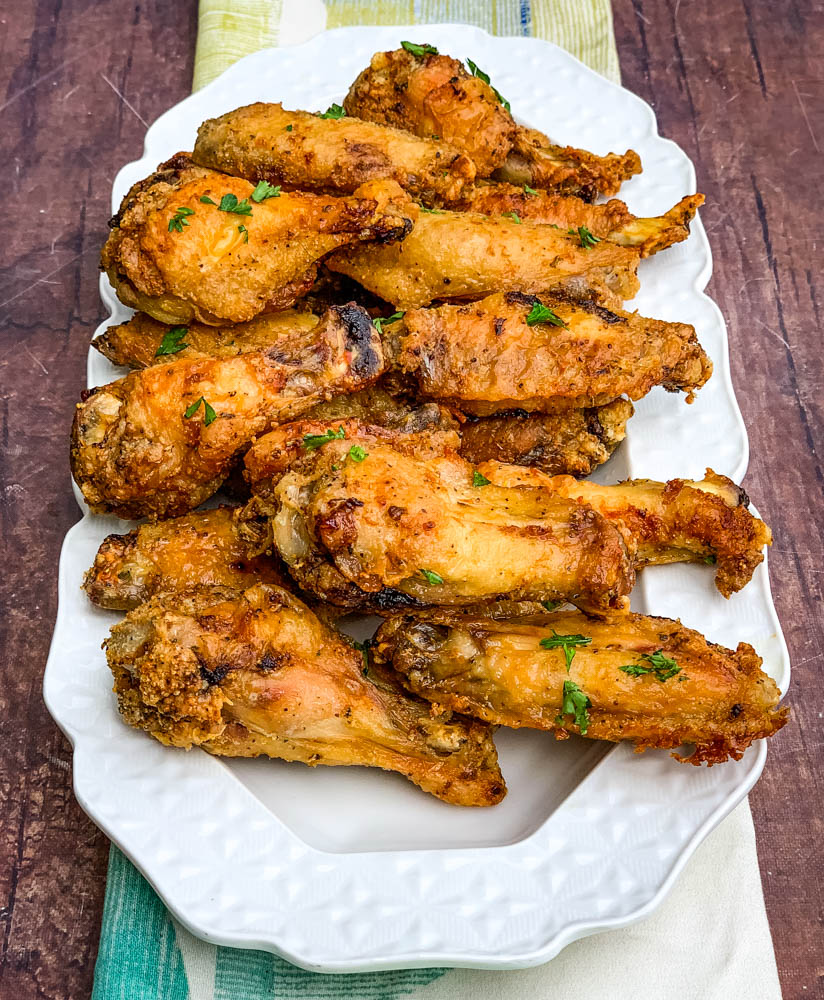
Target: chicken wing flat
{"points": [[460, 255], [649, 680], [259, 674], [678, 521], [302, 150], [143, 341], [377, 406], [370, 518], [611, 221], [201, 549], [192, 244], [573, 443], [419, 90], [516, 351], [162, 440]]}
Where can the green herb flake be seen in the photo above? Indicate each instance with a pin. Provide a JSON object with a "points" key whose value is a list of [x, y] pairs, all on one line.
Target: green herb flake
{"points": [[430, 211], [380, 320], [565, 642], [661, 667], [209, 414], [514, 216], [245, 233], [207, 200], [539, 313], [313, 441], [431, 577], [172, 341], [356, 453], [265, 190], [529, 190], [575, 703], [711, 560], [585, 236], [334, 111], [180, 219], [475, 70], [479, 480], [288, 128], [229, 203], [550, 605], [419, 50]]}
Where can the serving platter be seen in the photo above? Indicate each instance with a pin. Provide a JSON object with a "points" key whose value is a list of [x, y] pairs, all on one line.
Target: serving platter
{"points": [[350, 869]]}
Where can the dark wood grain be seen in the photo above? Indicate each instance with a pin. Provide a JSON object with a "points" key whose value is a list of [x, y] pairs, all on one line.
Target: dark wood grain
{"points": [[737, 84]]}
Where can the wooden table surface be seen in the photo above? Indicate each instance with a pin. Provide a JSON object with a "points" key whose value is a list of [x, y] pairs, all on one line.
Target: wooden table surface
{"points": [[736, 83]]}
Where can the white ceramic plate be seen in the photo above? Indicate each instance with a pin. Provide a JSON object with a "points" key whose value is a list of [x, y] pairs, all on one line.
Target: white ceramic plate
{"points": [[350, 869]]}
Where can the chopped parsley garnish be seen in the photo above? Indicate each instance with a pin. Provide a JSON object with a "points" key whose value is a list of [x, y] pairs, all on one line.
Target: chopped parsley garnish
{"points": [[356, 453], [585, 236], [429, 211], [479, 480], [660, 666], [265, 190], [711, 560], [514, 216], [244, 232], [208, 412], [431, 577], [419, 50], [550, 605], [475, 70], [575, 703], [380, 320], [179, 219], [288, 128], [529, 190], [539, 313], [172, 341], [333, 111], [313, 441], [565, 642], [229, 203]]}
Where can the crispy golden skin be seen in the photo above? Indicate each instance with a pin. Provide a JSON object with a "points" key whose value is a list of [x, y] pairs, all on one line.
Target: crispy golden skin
{"points": [[135, 343], [536, 161], [404, 525], [228, 267], [258, 674], [570, 443], [611, 221], [377, 406], [485, 357], [201, 549], [321, 154], [460, 255], [678, 521], [136, 454], [719, 699], [434, 95]]}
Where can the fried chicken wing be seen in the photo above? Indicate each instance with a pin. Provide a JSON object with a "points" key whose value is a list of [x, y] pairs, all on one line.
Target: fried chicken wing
{"points": [[136, 343], [202, 549], [460, 255], [302, 150], [649, 680], [611, 221], [490, 356], [573, 442], [366, 517], [677, 521], [432, 95], [377, 406], [193, 244], [259, 674], [162, 440]]}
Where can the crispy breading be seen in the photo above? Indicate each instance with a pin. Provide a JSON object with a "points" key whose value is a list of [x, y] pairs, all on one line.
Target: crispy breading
{"points": [[434, 95], [461, 255], [162, 440], [366, 517], [201, 549], [715, 698], [180, 258], [377, 406], [303, 150], [135, 343], [611, 221], [487, 357], [573, 442], [678, 521], [258, 674]]}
